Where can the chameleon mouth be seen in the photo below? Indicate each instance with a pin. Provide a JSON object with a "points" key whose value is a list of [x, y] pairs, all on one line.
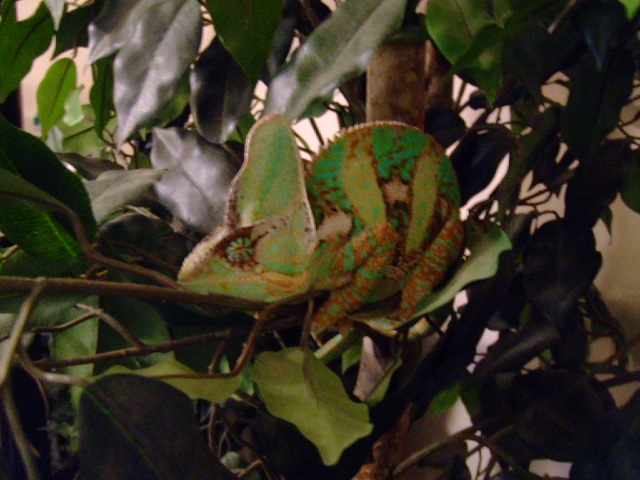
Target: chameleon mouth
{"points": [[255, 284]]}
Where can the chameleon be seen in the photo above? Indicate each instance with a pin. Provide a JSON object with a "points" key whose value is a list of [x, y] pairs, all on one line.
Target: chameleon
{"points": [[374, 213]]}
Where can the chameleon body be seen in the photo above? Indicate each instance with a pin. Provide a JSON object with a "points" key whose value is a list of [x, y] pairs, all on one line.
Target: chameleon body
{"points": [[374, 213]]}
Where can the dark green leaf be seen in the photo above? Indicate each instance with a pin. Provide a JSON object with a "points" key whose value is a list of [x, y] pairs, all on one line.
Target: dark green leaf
{"points": [[114, 190], [196, 187], [444, 400], [557, 413], [600, 25], [282, 40], [481, 61], [20, 44], [559, 263], [513, 351], [595, 100], [150, 66], [534, 54], [446, 126], [339, 49], [38, 165], [613, 453], [115, 24], [597, 182], [136, 427], [246, 28], [73, 29], [453, 25], [221, 93], [27, 223], [143, 320], [630, 190], [477, 157], [53, 91], [101, 94]]}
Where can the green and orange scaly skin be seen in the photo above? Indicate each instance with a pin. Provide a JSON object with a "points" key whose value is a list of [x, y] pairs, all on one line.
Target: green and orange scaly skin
{"points": [[376, 212]]}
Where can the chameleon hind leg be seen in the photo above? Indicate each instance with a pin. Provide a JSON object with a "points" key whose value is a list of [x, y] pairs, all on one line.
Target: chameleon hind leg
{"points": [[431, 269], [367, 255]]}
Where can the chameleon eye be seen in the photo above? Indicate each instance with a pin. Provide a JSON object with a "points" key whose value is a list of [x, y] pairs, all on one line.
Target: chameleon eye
{"points": [[240, 250]]}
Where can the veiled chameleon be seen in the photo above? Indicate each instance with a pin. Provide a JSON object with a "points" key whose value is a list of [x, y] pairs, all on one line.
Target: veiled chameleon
{"points": [[375, 212]]}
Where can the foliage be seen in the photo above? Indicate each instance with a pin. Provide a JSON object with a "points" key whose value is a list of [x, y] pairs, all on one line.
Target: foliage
{"points": [[93, 236]]}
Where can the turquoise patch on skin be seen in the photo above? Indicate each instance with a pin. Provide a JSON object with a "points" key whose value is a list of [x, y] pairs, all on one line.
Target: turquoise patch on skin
{"points": [[349, 260]]}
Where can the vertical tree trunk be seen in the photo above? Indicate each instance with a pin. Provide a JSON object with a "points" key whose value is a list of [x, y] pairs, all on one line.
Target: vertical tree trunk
{"points": [[395, 84]]}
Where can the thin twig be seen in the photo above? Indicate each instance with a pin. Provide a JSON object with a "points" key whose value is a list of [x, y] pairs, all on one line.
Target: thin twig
{"points": [[19, 435], [13, 341]]}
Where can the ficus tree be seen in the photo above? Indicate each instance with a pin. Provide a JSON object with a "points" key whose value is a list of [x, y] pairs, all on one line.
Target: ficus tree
{"points": [[110, 369]]}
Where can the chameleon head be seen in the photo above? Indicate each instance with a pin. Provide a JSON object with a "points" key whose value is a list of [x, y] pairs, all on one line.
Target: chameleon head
{"points": [[254, 263]]}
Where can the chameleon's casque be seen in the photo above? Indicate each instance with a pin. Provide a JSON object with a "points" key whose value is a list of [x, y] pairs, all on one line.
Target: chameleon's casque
{"points": [[374, 213]]}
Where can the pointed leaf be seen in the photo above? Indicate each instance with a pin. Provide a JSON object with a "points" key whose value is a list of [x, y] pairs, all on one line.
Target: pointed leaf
{"points": [[631, 6], [339, 49], [214, 390], [452, 25], [136, 427], [246, 28], [115, 189], [53, 91], [149, 68], [595, 100], [196, 187], [101, 94], [318, 404], [56, 8], [559, 263], [115, 24], [221, 93], [20, 44], [73, 29], [630, 191]]}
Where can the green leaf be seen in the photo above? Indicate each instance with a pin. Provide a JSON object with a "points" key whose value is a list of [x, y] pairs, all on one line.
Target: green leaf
{"points": [[56, 8], [101, 94], [445, 399], [482, 59], [453, 25], [143, 320], [80, 138], [631, 7], [595, 100], [196, 186], [53, 91], [339, 49], [27, 224], [221, 93], [317, 404], [630, 190], [33, 161], [150, 66], [78, 341], [246, 28], [20, 44], [73, 29], [136, 427], [73, 112], [482, 263], [114, 190], [115, 24], [214, 390]]}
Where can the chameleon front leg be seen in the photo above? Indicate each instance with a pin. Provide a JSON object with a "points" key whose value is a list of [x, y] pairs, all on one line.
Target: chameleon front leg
{"points": [[431, 269], [366, 255]]}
